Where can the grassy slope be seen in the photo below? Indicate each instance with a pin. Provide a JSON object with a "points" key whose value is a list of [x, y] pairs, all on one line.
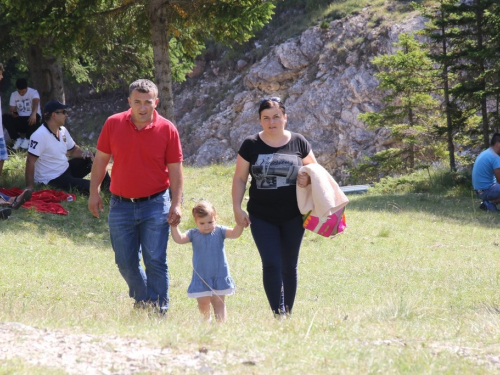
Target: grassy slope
{"points": [[411, 287]]}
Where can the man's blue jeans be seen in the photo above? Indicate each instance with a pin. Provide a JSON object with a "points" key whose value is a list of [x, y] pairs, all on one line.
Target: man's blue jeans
{"points": [[142, 228], [490, 194]]}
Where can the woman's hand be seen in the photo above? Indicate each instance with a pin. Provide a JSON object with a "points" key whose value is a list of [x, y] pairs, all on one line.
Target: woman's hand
{"points": [[241, 218], [303, 180]]}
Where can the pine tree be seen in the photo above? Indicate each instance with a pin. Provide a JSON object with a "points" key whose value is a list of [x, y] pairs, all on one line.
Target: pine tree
{"points": [[473, 57], [440, 31], [406, 77]]}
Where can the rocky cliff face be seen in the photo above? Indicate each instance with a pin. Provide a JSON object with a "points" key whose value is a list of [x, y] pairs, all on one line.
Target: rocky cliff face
{"points": [[325, 79]]}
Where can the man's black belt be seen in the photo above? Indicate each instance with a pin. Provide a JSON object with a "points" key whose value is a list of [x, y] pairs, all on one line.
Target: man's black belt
{"points": [[134, 200]]}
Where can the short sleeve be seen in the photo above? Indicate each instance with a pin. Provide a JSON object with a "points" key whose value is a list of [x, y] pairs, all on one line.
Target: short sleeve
{"points": [[496, 162], [304, 146], [190, 234], [103, 143], [223, 230], [70, 143], [12, 101], [35, 94], [173, 153], [245, 148], [37, 144]]}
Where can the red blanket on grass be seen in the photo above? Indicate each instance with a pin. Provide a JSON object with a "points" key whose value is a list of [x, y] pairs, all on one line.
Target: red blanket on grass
{"points": [[46, 201]]}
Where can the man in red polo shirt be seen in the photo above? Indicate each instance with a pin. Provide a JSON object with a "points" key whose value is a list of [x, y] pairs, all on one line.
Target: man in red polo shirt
{"points": [[146, 192]]}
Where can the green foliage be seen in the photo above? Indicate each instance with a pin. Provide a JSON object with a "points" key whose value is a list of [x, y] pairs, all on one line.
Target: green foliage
{"points": [[410, 111], [429, 180], [108, 41], [470, 31]]}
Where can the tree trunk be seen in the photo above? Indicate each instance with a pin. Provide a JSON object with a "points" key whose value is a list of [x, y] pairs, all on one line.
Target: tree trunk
{"points": [[158, 11], [411, 146], [46, 74], [446, 89], [484, 110]]}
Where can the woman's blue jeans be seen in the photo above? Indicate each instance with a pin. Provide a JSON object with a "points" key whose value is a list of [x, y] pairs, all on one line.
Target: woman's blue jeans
{"points": [[279, 247], [137, 229]]}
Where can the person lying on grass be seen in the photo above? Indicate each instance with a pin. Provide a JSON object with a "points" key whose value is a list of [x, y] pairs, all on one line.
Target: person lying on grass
{"points": [[211, 280]]}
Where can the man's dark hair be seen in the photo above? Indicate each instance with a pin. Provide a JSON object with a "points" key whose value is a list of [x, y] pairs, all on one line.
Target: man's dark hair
{"points": [[144, 86], [495, 139], [21, 84]]}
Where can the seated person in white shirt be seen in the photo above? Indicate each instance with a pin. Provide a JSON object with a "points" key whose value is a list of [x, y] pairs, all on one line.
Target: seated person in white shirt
{"points": [[24, 114], [47, 160]]}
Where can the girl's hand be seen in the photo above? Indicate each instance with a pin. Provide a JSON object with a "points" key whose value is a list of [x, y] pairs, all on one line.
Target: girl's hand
{"points": [[241, 218], [303, 180]]}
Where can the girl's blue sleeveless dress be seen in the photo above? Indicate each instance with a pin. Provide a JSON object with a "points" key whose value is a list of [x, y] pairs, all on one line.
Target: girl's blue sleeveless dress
{"points": [[210, 269]]}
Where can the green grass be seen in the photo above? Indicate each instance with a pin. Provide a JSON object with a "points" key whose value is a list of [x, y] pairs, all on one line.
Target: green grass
{"points": [[410, 287]]}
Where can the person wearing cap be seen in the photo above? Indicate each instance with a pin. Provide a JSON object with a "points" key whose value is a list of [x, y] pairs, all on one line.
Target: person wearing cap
{"points": [[24, 114], [47, 161]]}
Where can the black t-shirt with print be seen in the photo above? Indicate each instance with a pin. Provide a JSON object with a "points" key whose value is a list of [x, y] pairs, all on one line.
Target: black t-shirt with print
{"points": [[274, 171]]}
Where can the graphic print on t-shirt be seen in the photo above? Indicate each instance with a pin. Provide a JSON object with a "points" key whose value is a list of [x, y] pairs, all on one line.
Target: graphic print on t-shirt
{"points": [[23, 106], [272, 171]]}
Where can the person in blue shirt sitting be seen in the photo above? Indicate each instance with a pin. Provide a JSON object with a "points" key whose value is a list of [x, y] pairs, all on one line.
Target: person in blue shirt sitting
{"points": [[486, 174]]}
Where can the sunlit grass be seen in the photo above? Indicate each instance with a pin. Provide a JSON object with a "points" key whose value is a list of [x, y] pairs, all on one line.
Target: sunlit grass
{"points": [[410, 287]]}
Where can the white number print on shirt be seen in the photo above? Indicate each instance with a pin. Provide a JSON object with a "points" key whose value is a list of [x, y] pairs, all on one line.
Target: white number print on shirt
{"points": [[23, 105]]}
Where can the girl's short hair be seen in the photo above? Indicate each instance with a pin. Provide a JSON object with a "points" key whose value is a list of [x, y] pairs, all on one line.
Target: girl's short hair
{"points": [[204, 208], [267, 103]]}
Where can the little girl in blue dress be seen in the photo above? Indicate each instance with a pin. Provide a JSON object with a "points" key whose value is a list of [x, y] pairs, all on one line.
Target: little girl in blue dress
{"points": [[211, 280]]}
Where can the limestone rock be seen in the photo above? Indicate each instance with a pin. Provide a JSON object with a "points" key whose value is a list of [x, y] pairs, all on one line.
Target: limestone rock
{"points": [[325, 78]]}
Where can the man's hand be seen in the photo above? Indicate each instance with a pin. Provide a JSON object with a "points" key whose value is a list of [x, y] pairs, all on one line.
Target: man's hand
{"points": [[174, 215], [86, 154], [32, 119], [95, 204]]}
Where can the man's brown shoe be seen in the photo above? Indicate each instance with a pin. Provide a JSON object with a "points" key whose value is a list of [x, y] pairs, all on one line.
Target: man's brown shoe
{"points": [[21, 199]]}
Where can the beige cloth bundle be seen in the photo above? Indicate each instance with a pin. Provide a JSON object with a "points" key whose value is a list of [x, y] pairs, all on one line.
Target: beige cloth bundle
{"points": [[323, 196]]}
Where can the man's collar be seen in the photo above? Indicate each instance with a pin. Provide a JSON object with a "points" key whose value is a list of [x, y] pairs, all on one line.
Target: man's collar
{"points": [[149, 126], [50, 131]]}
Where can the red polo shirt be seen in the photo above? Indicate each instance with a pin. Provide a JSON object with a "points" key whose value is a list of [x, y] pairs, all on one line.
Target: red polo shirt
{"points": [[140, 156]]}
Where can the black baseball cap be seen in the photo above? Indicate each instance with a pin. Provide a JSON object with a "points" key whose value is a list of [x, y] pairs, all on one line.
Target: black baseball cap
{"points": [[54, 105]]}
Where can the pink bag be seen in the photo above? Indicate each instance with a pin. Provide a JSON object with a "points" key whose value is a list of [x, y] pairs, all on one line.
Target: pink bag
{"points": [[328, 226]]}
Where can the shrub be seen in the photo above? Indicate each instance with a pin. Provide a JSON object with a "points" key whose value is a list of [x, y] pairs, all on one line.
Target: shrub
{"points": [[432, 180]]}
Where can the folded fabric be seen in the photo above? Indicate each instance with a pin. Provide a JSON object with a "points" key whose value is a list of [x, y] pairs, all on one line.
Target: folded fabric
{"points": [[46, 201], [323, 196]]}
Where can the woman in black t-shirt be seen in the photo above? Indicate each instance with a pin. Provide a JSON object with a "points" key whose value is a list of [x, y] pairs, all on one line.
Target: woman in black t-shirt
{"points": [[273, 157]]}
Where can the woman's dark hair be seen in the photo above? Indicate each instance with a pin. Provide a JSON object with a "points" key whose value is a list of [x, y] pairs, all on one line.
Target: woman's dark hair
{"points": [[267, 103]]}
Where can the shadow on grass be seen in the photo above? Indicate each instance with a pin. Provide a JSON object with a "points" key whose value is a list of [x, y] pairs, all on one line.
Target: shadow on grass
{"points": [[464, 210], [79, 225]]}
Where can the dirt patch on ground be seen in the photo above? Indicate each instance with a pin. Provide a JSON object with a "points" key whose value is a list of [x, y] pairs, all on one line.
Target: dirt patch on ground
{"points": [[94, 354]]}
